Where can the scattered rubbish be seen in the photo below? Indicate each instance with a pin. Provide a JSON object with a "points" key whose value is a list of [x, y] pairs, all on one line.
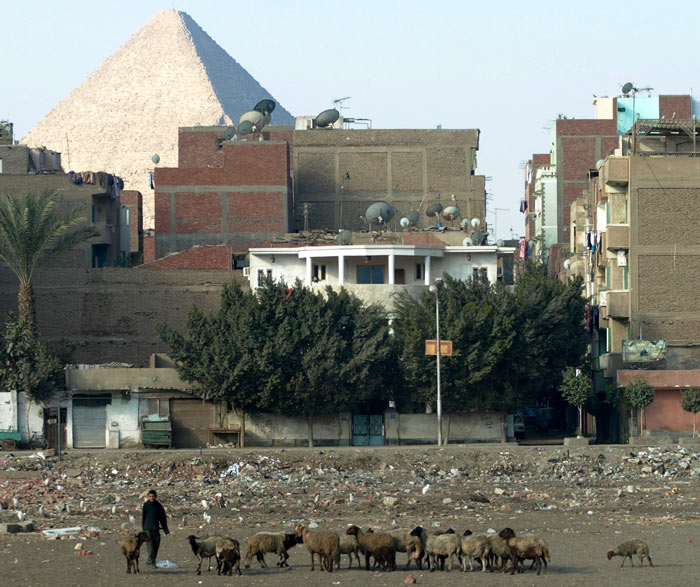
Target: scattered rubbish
{"points": [[60, 532], [166, 564]]}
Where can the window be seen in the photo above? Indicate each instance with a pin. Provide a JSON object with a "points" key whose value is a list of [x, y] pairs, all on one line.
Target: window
{"points": [[420, 271], [370, 274], [319, 273], [262, 274], [480, 273]]}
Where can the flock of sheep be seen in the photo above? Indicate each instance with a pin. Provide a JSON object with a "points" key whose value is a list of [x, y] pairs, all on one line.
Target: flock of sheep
{"points": [[503, 551]]}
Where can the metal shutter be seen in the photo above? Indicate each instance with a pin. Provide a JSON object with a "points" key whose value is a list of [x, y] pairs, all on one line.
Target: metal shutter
{"points": [[191, 420], [90, 422]]}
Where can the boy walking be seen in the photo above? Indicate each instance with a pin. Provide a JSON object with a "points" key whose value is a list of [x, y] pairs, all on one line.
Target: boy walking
{"points": [[152, 519]]}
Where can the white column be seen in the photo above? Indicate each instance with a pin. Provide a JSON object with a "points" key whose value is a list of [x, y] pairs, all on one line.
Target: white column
{"points": [[427, 270], [341, 269], [392, 269], [308, 271]]}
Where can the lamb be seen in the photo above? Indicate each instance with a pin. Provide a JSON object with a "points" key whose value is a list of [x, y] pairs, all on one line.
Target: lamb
{"points": [[546, 557], [228, 556], [325, 543], [276, 542], [349, 546], [499, 549], [405, 541], [385, 557], [630, 548], [203, 548], [474, 546], [443, 545], [131, 547], [523, 548], [369, 541]]}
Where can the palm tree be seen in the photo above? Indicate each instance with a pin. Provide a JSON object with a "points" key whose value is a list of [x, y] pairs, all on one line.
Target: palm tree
{"points": [[33, 229]]}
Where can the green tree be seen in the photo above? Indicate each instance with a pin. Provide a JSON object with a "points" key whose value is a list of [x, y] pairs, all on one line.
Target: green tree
{"points": [[32, 229], [639, 394], [690, 402], [575, 389]]}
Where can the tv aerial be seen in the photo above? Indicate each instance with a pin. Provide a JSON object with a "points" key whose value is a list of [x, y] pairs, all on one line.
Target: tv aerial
{"points": [[338, 102]]}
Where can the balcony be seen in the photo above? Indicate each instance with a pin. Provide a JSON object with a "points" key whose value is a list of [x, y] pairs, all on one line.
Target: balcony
{"points": [[618, 304], [610, 363], [618, 237], [616, 170]]}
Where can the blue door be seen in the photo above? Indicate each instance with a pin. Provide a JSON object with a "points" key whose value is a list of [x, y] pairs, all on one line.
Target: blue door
{"points": [[368, 430]]}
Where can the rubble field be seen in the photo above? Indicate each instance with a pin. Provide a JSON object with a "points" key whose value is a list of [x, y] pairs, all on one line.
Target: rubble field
{"points": [[583, 501]]}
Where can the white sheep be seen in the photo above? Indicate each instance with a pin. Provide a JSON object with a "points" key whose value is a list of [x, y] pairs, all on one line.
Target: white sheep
{"points": [[349, 546], [630, 548], [203, 548], [263, 542], [475, 546], [443, 545], [412, 545]]}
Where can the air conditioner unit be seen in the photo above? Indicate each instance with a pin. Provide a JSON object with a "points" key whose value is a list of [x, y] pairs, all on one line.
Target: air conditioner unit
{"points": [[622, 259], [246, 271]]}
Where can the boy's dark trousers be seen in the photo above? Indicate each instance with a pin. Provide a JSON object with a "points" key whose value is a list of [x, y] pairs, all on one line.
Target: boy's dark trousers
{"points": [[153, 546]]}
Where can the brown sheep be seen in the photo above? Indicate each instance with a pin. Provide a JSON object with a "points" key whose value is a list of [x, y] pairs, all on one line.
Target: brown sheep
{"points": [[369, 540], [385, 557], [523, 548], [131, 547], [228, 556], [630, 548], [324, 543]]}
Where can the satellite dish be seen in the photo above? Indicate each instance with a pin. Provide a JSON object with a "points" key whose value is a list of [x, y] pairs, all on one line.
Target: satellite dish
{"points": [[477, 237], [476, 223], [155, 158], [434, 210], [465, 222], [599, 164], [265, 106], [405, 222], [500, 242], [467, 242], [567, 264], [344, 237], [245, 128], [379, 213], [230, 133], [450, 213], [413, 217], [627, 88], [327, 118], [257, 119]]}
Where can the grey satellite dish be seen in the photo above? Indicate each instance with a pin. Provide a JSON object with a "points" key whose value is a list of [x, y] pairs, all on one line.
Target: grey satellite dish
{"points": [[230, 133], [567, 264], [450, 213], [500, 242], [257, 119], [265, 106], [465, 222], [379, 213], [434, 210], [599, 164], [344, 237], [405, 222], [245, 128], [327, 117], [627, 88], [155, 158], [467, 242], [477, 237], [413, 217]]}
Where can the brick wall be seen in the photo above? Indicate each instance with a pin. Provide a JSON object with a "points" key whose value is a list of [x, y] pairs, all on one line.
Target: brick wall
{"points": [[678, 105], [200, 258], [114, 311]]}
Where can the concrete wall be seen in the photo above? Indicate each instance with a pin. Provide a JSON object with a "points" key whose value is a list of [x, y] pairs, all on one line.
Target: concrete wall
{"points": [[114, 311], [109, 379], [457, 428], [272, 429]]}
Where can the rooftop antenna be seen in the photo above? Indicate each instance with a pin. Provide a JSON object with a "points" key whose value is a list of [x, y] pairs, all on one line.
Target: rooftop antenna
{"points": [[338, 103], [628, 88]]}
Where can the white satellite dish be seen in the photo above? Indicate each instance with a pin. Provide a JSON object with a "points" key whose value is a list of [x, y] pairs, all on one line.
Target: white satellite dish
{"points": [[476, 222], [567, 264], [405, 222], [467, 242]]}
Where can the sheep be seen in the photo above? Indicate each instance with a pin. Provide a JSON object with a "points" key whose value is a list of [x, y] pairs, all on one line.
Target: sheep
{"points": [[325, 543], [228, 556], [203, 548], [385, 557], [411, 544], [349, 546], [522, 548], [418, 548], [630, 548], [443, 545], [368, 541], [131, 547], [276, 542], [474, 546], [499, 549], [546, 557]]}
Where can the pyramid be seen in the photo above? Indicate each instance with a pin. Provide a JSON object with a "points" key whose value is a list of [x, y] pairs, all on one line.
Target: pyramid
{"points": [[169, 74]]}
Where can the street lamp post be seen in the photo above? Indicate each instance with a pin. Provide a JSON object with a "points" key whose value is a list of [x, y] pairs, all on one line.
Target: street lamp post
{"points": [[438, 284]]}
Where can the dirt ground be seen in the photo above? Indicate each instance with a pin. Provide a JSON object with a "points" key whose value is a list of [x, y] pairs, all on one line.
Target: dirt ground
{"points": [[583, 502]]}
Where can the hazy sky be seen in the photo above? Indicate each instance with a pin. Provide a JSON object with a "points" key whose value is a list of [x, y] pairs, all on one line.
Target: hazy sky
{"points": [[507, 68]]}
